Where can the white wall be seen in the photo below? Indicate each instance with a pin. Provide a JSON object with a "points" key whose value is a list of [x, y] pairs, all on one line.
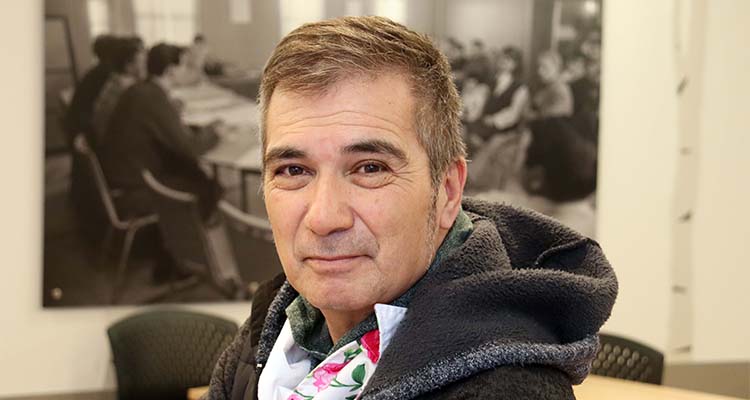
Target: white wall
{"points": [[637, 163], [639, 153], [67, 350], [721, 251]]}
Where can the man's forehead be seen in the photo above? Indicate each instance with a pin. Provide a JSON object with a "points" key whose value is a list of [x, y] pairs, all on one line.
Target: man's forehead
{"points": [[362, 83], [385, 101]]}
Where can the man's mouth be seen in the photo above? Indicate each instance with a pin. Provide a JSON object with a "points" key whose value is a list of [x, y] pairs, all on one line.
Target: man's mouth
{"points": [[330, 264]]}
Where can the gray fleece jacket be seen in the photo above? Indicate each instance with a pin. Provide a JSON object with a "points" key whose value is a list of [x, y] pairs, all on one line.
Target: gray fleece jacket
{"points": [[512, 314]]}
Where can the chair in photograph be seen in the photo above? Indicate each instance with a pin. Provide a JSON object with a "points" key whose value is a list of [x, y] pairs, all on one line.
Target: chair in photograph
{"points": [[195, 246], [627, 359], [252, 243], [160, 354], [117, 224]]}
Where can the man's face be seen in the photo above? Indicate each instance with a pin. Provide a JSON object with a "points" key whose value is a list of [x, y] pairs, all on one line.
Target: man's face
{"points": [[548, 69], [176, 73], [137, 69], [348, 193]]}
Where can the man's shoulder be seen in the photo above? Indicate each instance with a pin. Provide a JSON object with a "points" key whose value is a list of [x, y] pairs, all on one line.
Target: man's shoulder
{"points": [[511, 220], [509, 382], [145, 91]]}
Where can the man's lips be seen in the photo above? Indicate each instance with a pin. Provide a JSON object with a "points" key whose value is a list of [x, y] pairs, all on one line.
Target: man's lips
{"points": [[333, 258], [333, 264]]}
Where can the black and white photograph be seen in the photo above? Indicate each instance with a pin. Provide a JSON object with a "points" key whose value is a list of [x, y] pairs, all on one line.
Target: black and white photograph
{"points": [[152, 155]]}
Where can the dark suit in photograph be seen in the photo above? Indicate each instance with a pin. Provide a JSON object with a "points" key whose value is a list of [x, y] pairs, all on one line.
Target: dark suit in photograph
{"points": [[146, 132]]}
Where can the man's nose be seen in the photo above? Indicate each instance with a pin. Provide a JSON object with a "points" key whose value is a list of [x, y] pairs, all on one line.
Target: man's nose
{"points": [[329, 210]]}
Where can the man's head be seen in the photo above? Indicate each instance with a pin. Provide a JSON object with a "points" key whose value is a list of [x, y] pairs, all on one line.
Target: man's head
{"points": [[104, 47], [511, 60], [550, 65], [165, 60], [129, 57], [363, 159]]}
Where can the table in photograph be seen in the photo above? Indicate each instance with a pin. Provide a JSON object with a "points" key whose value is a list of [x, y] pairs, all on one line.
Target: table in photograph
{"points": [[601, 388], [238, 147]]}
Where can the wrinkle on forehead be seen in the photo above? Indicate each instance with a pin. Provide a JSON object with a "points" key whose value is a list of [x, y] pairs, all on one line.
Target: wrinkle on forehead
{"points": [[372, 106], [345, 118]]}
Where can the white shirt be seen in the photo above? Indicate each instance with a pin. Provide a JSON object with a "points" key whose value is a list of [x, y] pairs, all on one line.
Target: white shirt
{"points": [[288, 364]]}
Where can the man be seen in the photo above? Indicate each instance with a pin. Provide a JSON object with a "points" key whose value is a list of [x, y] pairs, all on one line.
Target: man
{"points": [[145, 132], [392, 287], [553, 98], [78, 120], [78, 117], [128, 67]]}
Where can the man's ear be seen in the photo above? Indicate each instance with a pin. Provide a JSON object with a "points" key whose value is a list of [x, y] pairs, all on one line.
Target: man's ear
{"points": [[451, 193]]}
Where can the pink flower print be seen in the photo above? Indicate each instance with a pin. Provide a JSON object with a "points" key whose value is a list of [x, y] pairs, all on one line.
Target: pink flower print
{"points": [[294, 396], [325, 374], [371, 343]]}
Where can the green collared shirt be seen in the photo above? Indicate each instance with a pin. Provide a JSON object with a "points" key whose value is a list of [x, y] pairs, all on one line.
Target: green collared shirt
{"points": [[310, 330]]}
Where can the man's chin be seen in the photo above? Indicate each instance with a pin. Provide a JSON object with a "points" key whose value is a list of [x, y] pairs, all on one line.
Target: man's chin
{"points": [[341, 302]]}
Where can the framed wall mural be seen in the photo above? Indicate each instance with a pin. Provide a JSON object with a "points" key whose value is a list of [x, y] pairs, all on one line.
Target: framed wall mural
{"points": [[527, 71]]}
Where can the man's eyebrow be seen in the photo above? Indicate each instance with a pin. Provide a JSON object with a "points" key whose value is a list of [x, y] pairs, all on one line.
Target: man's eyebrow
{"points": [[376, 146], [282, 153]]}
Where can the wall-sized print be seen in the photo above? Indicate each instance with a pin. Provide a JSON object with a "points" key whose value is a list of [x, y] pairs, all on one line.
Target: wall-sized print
{"points": [[152, 161]]}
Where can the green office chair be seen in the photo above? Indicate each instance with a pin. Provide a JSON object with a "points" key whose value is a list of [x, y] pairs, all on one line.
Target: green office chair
{"points": [[627, 359], [160, 354]]}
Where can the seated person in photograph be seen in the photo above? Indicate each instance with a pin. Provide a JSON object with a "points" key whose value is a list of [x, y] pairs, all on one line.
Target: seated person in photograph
{"points": [[195, 61], [394, 286], [128, 67], [560, 172], [91, 218], [575, 66], [78, 117], [145, 132], [586, 101], [507, 102], [553, 98], [495, 135]]}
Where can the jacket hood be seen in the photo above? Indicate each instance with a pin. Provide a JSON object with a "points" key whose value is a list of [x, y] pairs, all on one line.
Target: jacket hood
{"points": [[521, 290]]}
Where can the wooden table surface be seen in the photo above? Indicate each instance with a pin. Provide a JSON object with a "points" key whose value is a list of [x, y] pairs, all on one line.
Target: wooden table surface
{"points": [[601, 388], [598, 387]]}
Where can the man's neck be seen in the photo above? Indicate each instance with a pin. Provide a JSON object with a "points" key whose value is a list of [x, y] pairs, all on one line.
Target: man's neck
{"points": [[163, 82], [341, 322], [126, 79]]}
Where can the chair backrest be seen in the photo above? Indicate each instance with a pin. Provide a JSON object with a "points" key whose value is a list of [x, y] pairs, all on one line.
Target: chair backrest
{"points": [[252, 243], [193, 244], [160, 354], [623, 358], [82, 147], [182, 228]]}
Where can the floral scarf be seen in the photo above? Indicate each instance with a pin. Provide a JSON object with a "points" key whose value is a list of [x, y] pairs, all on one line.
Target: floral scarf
{"points": [[341, 376], [344, 373]]}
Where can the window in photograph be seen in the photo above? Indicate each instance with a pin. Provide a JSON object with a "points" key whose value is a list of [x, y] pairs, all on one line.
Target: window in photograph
{"points": [[354, 7], [98, 17], [393, 9], [297, 12], [239, 11], [171, 21]]}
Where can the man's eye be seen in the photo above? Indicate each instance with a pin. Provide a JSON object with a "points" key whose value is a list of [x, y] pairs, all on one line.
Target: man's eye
{"points": [[371, 168], [294, 170], [291, 177], [290, 170]]}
